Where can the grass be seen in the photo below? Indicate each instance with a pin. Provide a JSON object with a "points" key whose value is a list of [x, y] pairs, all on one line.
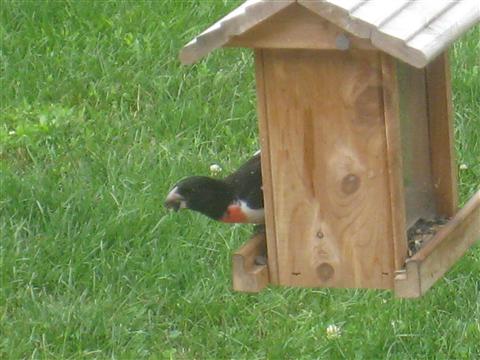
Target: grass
{"points": [[98, 119]]}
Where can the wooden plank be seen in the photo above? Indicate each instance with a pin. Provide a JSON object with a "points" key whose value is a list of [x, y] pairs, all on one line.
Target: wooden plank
{"points": [[411, 19], [374, 13], [248, 276], [439, 255], [393, 35], [295, 27], [247, 15], [407, 282], [266, 167], [337, 12], [377, 12], [442, 140], [391, 108], [448, 27], [329, 168], [412, 31], [347, 5], [417, 167]]}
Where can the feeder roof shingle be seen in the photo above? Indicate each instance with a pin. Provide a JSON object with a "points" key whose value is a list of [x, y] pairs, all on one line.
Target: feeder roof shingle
{"points": [[412, 31]]}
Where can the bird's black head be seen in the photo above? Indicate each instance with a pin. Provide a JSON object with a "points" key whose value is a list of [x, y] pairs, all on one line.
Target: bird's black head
{"points": [[209, 196]]}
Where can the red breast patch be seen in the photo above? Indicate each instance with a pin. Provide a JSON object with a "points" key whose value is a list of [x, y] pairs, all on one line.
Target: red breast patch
{"points": [[234, 214]]}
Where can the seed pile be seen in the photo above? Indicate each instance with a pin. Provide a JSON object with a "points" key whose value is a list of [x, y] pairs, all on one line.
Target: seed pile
{"points": [[420, 233]]}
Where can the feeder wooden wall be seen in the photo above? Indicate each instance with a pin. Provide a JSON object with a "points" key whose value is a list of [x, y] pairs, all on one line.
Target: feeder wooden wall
{"points": [[356, 147]]}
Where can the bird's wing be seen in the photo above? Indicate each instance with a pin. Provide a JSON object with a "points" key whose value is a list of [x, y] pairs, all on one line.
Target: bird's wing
{"points": [[247, 182]]}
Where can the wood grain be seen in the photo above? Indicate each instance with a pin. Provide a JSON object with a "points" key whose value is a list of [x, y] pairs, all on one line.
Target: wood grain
{"points": [[438, 256], [247, 275], [391, 108], [372, 14], [238, 21], [338, 12], [442, 140], [295, 27], [266, 167], [448, 27], [412, 31], [410, 20], [417, 168], [328, 168]]}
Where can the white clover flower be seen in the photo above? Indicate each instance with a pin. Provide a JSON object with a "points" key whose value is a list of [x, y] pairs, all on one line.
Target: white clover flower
{"points": [[333, 331], [396, 324], [463, 166], [215, 169], [11, 132]]}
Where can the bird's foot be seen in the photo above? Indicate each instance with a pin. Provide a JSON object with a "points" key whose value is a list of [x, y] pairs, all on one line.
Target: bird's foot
{"points": [[261, 260], [259, 229]]}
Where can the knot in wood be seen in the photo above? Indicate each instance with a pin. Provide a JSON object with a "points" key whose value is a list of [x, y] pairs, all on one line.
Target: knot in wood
{"points": [[320, 234], [350, 184], [325, 271]]}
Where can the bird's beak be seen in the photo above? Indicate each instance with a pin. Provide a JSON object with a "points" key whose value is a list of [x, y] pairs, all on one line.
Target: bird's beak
{"points": [[174, 201]]}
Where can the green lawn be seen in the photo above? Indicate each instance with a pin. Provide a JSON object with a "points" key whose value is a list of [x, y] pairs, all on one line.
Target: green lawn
{"points": [[98, 119]]}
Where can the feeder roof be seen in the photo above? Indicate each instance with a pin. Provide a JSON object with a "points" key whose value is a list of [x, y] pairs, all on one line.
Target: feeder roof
{"points": [[412, 31]]}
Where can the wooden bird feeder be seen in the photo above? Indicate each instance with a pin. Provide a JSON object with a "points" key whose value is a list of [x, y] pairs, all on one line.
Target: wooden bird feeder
{"points": [[356, 129]]}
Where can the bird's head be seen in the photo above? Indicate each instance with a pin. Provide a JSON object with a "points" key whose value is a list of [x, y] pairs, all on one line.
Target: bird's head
{"points": [[209, 196]]}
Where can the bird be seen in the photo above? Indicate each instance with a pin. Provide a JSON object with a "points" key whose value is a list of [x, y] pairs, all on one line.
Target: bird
{"points": [[237, 198]]}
